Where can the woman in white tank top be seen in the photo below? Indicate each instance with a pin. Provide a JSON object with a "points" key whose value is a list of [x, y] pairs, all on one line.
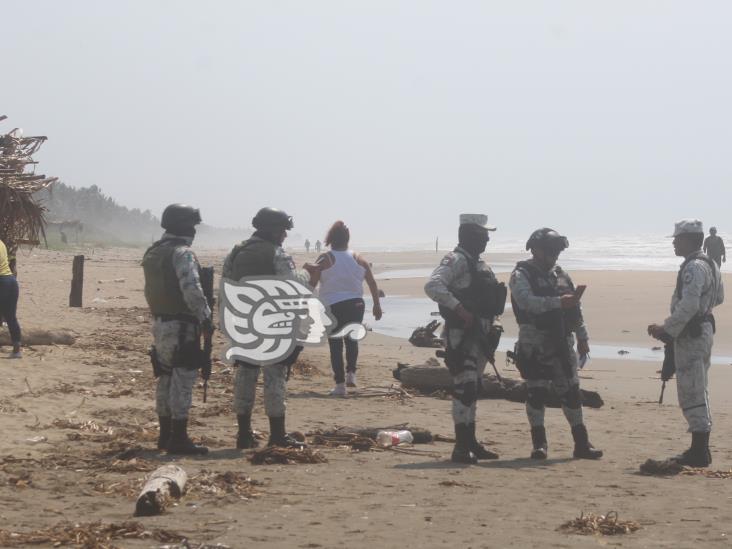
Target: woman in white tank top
{"points": [[340, 273]]}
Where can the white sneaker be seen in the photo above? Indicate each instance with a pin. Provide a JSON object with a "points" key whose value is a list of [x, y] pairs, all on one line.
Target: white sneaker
{"points": [[339, 390], [350, 379]]}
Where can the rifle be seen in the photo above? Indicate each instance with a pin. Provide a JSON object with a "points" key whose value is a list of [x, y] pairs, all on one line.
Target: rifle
{"points": [[669, 363], [207, 281]]}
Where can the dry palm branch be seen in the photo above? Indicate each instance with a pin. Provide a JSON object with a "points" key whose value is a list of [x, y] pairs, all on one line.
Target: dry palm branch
{"points": [[22, 217]]}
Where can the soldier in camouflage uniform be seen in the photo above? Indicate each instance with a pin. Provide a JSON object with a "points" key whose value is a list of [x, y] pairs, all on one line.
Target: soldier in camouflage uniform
{"points": [[472, 328], [548, 313], [263, 255], [180, 311], [691, 325]]}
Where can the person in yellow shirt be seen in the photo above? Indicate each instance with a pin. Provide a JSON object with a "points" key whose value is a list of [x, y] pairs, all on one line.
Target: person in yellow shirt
{"points": [[9, 300]]}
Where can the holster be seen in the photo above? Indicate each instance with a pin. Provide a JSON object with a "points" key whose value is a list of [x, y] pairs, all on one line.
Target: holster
{"points": [[188, 354], [156, 365], [454, 360], [694, 327]]}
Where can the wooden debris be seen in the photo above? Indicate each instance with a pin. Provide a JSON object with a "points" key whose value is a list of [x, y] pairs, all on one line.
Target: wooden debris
{"points": [[421, 436], [36, 337], [424, 336], [286, 456], [432, 376], [352, 440], [165, 483], [605, 525], [90, 535]]}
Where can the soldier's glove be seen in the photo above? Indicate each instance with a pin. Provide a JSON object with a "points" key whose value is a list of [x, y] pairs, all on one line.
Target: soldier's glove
{"points": [[207, 327]]}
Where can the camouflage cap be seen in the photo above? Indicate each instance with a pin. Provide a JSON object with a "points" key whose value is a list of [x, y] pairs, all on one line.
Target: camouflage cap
{"points": [[688, 226], [476, 219]]}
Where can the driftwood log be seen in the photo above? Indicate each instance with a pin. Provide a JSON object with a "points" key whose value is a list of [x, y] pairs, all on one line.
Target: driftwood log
{"points": [[41, 337], [432, 376], [424, 336], [164, 483]]}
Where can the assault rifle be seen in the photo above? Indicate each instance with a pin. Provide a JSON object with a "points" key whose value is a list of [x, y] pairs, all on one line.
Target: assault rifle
{"points": [[669, 363], [207, 281]]}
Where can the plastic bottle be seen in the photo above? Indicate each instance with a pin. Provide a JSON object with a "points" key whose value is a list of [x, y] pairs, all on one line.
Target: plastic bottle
{"points": [[393, 438]]}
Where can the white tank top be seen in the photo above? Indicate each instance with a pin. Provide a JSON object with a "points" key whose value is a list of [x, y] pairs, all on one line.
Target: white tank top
{"points": [[343, 280]]}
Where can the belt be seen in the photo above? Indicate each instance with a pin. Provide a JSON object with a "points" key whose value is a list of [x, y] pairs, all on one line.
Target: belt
{"points": [[181, 317]]}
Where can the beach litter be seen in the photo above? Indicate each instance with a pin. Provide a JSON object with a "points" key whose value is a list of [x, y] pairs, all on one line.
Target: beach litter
{"points": [[223, 484], [665, 468], [286, 456], [90, 535], [604, 525]]}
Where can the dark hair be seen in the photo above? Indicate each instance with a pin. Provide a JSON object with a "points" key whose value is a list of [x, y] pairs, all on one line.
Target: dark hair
{"points": [[338, 235]]}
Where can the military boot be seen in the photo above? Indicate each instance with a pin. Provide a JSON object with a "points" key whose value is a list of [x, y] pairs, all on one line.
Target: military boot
{"points": [[279, 437], [245, 438], [538, 440], [462, 453], [582, 446], [180, 443], [480, 451], [164, 436], [698, 455]]}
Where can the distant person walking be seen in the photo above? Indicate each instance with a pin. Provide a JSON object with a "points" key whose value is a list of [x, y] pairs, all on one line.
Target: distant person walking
{"points": [[714, 247], [318, 246], [341, 273], [9, 300], [307, 246]]}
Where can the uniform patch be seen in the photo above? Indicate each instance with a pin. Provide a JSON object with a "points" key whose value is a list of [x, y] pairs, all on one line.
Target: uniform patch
{"points": [[688, 276], [448, 260]]}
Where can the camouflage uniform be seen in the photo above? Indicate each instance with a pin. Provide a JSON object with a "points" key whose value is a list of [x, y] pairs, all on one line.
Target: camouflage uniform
{"points": [[700, 290], [175, 384], [453, 274], [275, 375], [552, 369]]}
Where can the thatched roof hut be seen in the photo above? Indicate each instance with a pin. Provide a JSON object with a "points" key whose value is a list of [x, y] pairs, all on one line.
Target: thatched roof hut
{"points": [[21, 216]]}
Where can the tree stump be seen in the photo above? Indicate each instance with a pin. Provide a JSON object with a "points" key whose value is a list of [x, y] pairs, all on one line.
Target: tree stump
{"points": [[165, 483]]}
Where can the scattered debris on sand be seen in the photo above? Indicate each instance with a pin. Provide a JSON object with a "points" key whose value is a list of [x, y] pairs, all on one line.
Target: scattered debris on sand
{"points": [[669, 467], [424, 336], [604, 525], [286, 456]]}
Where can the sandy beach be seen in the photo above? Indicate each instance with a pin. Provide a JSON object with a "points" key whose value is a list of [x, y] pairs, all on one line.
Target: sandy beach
{"points": [[92, 400]]}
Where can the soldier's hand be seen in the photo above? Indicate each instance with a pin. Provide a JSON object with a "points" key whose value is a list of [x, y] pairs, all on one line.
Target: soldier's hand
{"points": [[656, 331], [568, 301], [465, 315], [583, 347]]}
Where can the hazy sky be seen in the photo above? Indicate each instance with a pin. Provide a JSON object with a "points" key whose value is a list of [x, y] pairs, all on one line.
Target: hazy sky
{"points": [[594, 117]]}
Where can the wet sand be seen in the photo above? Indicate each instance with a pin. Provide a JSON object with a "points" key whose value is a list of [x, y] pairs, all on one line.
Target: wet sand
{"points": [[370, 499]]}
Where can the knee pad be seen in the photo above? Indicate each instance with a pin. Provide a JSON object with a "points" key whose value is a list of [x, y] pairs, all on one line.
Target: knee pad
{"points": [[466, 393], [572, 398], [537, 397]]}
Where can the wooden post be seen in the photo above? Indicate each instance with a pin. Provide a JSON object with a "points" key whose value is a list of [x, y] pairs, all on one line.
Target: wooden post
{"points": [[166, 482], [77, 281]]}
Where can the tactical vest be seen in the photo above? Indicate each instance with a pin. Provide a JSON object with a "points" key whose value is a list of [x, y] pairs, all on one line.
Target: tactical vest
{"points": [[543, 284], [485, 297], [693, 327], [162, 288], [253, 257]]}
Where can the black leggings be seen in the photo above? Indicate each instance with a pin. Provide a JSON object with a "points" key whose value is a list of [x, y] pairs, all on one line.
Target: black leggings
{"points": [[9, 305], [345, 312]]}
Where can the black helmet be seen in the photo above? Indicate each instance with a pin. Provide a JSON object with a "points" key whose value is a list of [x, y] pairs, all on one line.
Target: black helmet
{"points": [[272, 218], [177, 216], [547, 239]]}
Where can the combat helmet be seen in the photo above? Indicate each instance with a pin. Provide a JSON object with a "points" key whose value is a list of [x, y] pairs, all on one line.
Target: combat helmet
{"points": [[268, 219], [547, 239], [178, 216]]}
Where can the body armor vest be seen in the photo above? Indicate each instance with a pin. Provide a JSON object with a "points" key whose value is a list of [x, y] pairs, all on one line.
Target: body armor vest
{"points": [[162, 288], [693, 327], [548, 284], [253, 257]]}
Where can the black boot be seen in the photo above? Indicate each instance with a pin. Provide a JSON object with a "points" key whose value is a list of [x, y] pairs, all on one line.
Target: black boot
{"points": [[538, 440], [480, 451], [698, 455], [164, 436], [179, 441], [582, 446], [462, 453], [279, 437], [245, 438]]}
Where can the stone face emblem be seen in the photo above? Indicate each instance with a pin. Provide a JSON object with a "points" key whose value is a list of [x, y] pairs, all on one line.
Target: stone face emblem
{"points": [[266, 318]]}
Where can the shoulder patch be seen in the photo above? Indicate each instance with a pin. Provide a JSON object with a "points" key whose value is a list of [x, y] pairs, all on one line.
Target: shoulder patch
{"points": [[448, 260], [688, 276]]}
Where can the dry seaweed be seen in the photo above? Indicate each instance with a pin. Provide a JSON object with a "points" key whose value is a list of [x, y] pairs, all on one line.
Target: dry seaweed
{"points": [[223, 484], [305, 368], [354, 441], [91, 535], [661, 468], [604, 525], [287, 456]]}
